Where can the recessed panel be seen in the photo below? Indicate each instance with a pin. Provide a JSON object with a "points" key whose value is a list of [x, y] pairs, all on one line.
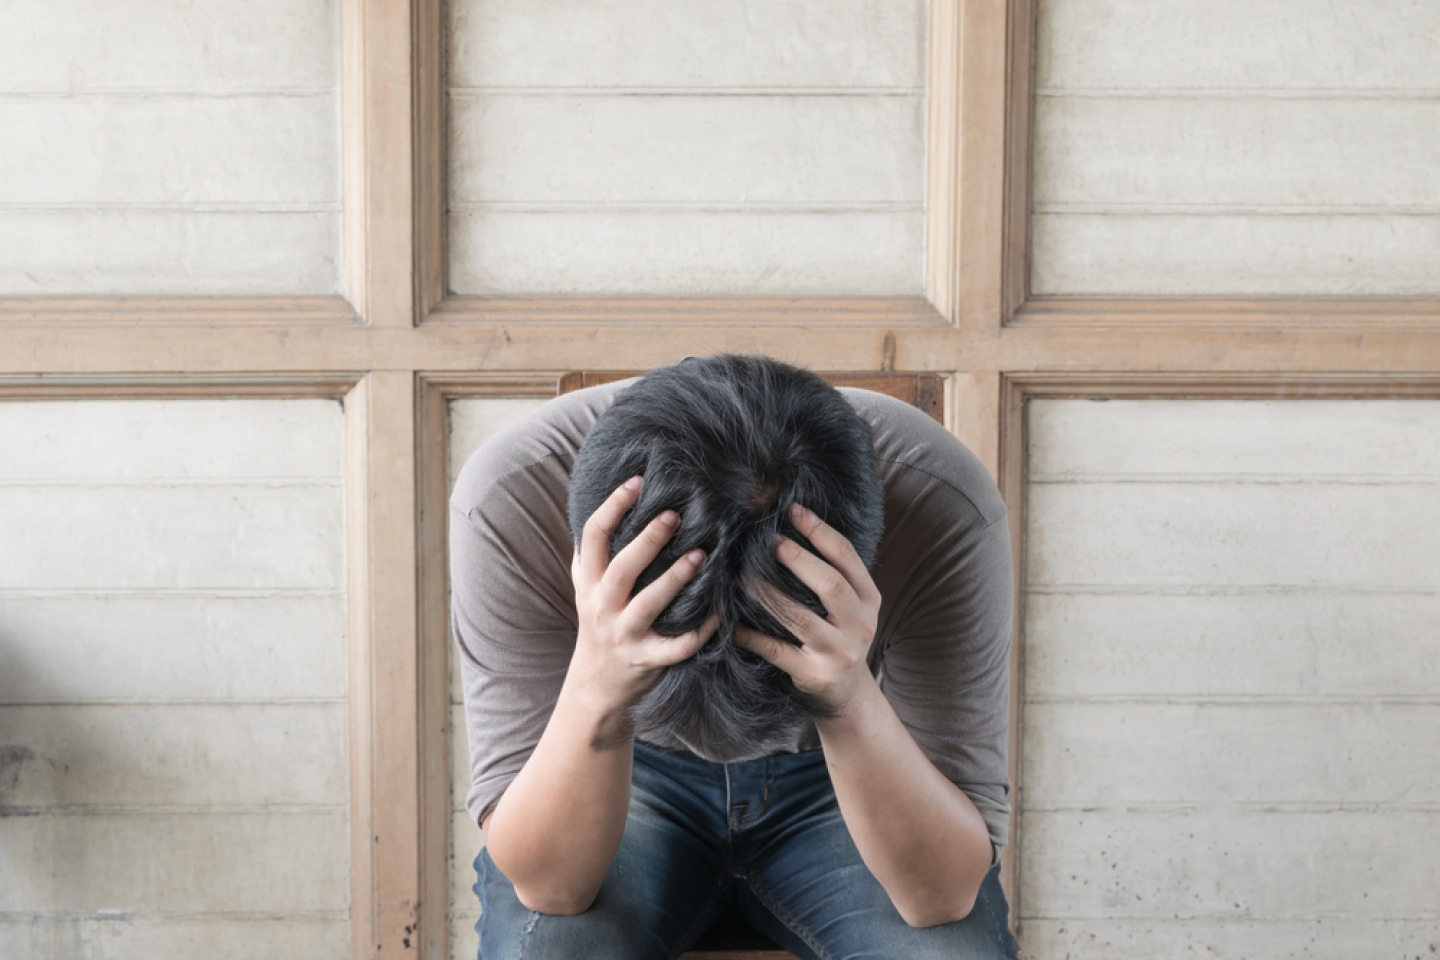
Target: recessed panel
{"points": [[646, 147], [173, 702], [1230, 677], [1250, 148], [169, 148]]}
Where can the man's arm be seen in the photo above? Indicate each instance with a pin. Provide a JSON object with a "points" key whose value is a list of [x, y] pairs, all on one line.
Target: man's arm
{"points": [[556, 828], [917, 832]]}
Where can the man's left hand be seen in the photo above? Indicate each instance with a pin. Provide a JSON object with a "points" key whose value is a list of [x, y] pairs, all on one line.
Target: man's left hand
{"points": [[831, 661]]}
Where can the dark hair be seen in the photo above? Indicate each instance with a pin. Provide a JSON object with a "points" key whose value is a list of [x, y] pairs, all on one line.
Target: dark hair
{"points": [[729, 443]]}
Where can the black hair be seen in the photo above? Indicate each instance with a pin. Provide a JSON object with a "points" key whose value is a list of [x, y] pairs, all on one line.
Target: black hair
{"points": [[729, 443]]}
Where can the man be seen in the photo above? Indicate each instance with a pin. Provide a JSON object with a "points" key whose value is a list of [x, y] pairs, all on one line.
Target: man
{"points": [[700, 695]]}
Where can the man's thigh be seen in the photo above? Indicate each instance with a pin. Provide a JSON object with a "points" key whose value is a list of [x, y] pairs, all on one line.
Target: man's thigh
{"points": [[665, 886], [809, 891]]}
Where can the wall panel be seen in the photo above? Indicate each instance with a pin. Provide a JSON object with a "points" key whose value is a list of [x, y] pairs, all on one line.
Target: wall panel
{"points": [[173, 704], [169, 148], [687, 148], [1235, 148], [1232, 683]]}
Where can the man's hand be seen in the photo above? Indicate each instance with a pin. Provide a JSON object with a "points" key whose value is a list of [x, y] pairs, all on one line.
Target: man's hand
{"points": [[618, 655], [917, 832], [831, 662]]}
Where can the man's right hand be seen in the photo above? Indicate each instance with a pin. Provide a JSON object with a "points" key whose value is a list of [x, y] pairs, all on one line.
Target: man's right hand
{"points": [[618, 655]]}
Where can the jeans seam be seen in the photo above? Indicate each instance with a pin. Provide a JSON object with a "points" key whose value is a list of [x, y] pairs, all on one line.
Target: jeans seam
{"points": [[767, 799], [785, 917]]}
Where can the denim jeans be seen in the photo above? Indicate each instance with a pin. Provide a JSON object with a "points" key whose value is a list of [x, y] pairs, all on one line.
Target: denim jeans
{"points": [[761, 840]]}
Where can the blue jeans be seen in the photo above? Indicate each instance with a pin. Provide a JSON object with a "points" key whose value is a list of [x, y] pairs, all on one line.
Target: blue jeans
{"points": [[761, 840]]}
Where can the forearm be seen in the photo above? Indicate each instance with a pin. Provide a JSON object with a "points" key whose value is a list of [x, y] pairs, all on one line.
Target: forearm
{"points": [[917, 832], [555, 830]]}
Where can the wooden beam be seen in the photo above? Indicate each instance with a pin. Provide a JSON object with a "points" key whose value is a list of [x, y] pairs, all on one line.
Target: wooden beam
{"points": [[386, 737], [980, 250], [377, 159]]}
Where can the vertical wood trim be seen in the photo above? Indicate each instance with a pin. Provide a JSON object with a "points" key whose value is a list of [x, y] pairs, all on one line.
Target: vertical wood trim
{"points": [[353, 187], [385, 736], [432, 180], [435, 787], [974, 415], [1020, 100], [1012, 450], [983, 104], [376, 93], [360, 669], [942, 156]]}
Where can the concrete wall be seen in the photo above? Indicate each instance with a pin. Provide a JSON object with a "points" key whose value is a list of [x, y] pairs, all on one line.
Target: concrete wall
{"points": [[472, 422], [1232, 650], [1237, 146], [653, 146], [169, 147], [173, 764]]}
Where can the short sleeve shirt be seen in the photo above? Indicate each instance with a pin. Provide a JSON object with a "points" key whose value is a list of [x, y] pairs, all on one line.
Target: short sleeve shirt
{"points": [[943, 568]]}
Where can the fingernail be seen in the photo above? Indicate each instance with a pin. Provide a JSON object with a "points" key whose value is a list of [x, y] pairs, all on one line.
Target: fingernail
{"points": [[797, 512], [696, 557], [633, 483], [669, 518]]}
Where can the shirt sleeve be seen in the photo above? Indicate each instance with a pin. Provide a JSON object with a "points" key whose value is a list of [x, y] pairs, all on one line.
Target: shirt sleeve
{"points": [[512, 613]]}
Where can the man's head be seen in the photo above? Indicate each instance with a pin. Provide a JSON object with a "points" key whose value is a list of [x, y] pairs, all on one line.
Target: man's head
{"points": [[729, 443]]}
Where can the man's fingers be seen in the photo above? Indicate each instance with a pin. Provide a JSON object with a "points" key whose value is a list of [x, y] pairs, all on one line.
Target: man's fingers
{"points": [[673, 650], [595, 538], [829, 584], [647, 604], [638, 554], [836, 549], [778, 652]]}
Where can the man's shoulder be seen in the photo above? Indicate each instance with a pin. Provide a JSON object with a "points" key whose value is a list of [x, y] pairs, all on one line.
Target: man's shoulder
{"points": [[538, 448], [919, 454]]}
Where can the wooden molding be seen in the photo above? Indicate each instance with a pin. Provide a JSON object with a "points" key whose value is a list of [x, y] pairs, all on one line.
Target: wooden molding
{"points": [[432, 181], [131, 311], [377, 134], [1019, 128], [980, 234], [688, 311], [389, 852], [1222, 313]]}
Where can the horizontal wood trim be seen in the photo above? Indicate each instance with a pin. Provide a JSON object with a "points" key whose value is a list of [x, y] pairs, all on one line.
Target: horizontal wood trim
{"points": [[688, 311], [306, 349], [54, 387], [1219, 386], [1227, 312], [923, 390], [159, 310]]}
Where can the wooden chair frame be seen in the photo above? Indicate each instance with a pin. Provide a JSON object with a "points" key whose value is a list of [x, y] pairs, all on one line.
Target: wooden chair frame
{"points": [[396, 348]]}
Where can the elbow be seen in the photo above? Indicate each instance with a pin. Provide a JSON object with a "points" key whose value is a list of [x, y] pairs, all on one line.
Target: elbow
{"points": [[938, 911], [555, 903]]}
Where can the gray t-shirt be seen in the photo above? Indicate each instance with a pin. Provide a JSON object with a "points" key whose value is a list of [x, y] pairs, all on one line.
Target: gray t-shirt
{"points": [[941, 650]]}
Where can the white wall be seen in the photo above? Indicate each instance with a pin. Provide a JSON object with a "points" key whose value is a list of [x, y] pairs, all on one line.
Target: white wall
{"points": [[472, 422], [169, 147], [1232, 649], [654, 146], [173, 756], [1237, 147]]}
